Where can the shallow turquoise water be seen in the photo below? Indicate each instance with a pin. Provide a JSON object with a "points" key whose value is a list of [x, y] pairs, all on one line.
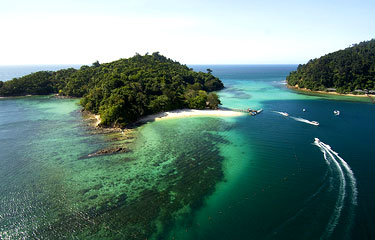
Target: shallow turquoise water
{"points": [[195, 178]]}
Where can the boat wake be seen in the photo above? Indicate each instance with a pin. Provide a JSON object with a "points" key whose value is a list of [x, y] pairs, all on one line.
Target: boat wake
{"points": [[285, 114], [336, 164], [282, 113], [306, 121]]}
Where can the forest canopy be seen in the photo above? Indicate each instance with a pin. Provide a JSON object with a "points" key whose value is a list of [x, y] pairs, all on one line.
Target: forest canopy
{"points": [[346, 70], [125, 90]]}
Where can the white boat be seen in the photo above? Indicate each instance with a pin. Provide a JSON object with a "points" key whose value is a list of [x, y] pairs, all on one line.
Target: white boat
{"points": [[254, 112], [304, 110], [284, 114], [306, 121], [336, 112]]}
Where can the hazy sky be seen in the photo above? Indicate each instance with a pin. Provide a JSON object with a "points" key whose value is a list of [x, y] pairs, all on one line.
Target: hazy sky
{"points": [[190, 31]]}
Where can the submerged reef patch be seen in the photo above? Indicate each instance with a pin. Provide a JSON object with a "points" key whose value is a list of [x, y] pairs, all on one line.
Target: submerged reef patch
{"points": [[175, 165]]}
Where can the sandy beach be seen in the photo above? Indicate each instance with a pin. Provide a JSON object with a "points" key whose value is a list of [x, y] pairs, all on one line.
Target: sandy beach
{"points": [[183, 113], [98, 120]]}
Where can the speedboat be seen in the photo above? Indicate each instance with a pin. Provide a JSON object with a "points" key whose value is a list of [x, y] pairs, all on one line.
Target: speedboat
{"points": [[336, 112], [284, 114], [314, 123]]}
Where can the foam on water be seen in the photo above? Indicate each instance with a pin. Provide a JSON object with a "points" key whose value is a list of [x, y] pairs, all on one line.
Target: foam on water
{"points": [[305, 120], [352, 178], [332, 156], [341, 197], [282, 113]]}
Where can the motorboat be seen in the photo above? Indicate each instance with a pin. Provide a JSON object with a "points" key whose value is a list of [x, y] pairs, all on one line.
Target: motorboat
{"points": [[284, 114], [254, 112], [336, 112], [314, 123]]}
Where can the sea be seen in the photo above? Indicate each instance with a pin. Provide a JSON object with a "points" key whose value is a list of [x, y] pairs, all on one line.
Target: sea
{"points": [[268, 176]]}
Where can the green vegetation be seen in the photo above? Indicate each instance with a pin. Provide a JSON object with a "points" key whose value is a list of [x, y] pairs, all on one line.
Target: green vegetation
{"points": [[346, 70], [125, 90]]}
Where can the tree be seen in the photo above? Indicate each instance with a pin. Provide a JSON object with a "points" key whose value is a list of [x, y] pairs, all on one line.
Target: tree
{"points": [[346, 70], [213, 100], [160, 103], [124, 90], [96, 64]]}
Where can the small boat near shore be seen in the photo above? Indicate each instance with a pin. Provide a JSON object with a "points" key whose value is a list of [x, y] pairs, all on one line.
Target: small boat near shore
{"points": [[336, 112], [254, 112]]}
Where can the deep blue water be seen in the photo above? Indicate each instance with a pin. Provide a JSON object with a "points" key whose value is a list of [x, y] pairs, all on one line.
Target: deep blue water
{"points": [[283, 156]]}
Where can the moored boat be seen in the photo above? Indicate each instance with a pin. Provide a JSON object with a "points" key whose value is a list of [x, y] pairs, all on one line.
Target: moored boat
{"points": [[254, 112]]}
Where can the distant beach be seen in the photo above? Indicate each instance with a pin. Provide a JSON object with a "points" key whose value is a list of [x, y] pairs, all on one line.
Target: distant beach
{"points": [[183, 113], [180, 113]]}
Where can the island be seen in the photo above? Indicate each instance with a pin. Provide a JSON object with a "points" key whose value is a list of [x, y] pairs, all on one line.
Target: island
{"points": [[127, 90], [350, 71]]}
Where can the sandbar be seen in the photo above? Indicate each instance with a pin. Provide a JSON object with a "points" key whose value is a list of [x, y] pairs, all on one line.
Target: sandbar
{"points": [[183, 113]]}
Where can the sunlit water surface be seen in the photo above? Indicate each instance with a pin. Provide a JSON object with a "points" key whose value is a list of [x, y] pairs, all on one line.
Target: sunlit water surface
{"points": [[262, 177]]}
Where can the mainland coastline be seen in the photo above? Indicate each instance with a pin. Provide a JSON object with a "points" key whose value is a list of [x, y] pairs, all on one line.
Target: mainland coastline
{"points": [[319, 93]]}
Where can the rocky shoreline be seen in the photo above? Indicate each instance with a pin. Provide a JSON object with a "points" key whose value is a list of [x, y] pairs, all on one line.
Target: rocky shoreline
{"points": [[119, 138]]}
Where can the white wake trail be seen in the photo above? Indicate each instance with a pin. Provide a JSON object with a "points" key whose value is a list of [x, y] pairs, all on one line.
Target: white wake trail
{"points": [[333, 221], [282, 113], [305, 121], [353, 180]]}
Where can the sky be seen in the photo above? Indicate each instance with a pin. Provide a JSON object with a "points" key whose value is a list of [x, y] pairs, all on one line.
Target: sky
{"points": [[191, 32]]}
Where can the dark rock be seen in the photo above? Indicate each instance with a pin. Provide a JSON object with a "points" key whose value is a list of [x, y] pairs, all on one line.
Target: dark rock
{"points": [[108, 151]]}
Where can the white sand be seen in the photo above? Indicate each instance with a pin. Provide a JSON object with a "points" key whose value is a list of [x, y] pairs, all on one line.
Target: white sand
{"points": [[98, 120], [183, 113]]}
